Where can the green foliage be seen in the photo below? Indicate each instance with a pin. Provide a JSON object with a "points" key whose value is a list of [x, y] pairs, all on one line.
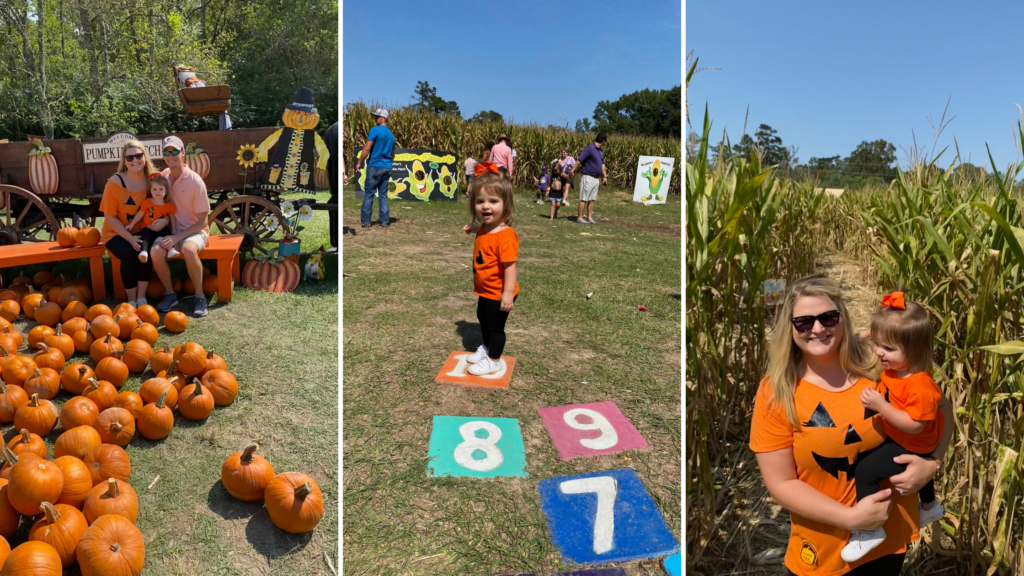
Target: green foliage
{"points": [[487, 116], [427, 99], [646, 112]]}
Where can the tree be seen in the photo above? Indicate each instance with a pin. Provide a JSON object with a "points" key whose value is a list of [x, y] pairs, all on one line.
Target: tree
{"points": [[873, 159], [427, 99], [646, 112], [744, 147], [583, 125], [487, 116], [770, 144]]}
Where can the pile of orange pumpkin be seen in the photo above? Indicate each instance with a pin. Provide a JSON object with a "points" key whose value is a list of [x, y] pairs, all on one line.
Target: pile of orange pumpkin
{"points": [[293, 499], [71, 236]]}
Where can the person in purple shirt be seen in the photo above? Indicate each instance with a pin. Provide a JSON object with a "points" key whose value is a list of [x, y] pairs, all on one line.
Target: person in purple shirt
{"points": [[594, 173], [567, 162]]}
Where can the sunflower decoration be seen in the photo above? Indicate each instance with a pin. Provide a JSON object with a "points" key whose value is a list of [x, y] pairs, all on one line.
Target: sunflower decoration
{"points": [[247, 155]]}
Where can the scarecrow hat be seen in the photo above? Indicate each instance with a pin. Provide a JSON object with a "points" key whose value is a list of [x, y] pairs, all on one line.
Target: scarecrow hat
{"points": [[303, 101]]}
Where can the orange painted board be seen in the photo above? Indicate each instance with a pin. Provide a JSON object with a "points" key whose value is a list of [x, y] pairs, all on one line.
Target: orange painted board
{"points": [[455, 371]]}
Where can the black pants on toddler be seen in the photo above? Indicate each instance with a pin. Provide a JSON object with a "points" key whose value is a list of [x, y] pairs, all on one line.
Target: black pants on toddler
{"points": [[148, 236], [131, 269], [492, 325], [876, 465]]}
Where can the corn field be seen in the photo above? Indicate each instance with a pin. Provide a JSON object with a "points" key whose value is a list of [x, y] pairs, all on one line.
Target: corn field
{"points": [[953, 244], [535, 146]]}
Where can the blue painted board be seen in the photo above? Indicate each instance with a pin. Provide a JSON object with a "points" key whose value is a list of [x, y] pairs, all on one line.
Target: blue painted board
{"points": [[476, 447], [674, 565], [604, 517], [592, 572]]}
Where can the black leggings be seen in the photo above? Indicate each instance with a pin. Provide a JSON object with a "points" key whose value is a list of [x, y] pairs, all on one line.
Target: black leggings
{"points": [[876, 465], [888, 565], [131, 269], [492, 325]]}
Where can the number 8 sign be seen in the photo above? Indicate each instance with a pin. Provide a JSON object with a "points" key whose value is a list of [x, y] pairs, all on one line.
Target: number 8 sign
{"points": [[475, 446], [590, 429]]}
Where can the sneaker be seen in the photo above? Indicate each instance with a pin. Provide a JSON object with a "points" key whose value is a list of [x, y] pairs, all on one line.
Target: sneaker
{"points": [[170, 300], [200, 309], [173, 253], [926, 517], [486, 366], [862, 542], [143, 256], [141, 302], [591, 221], [366, 225], [475, 357], [540, 201]]}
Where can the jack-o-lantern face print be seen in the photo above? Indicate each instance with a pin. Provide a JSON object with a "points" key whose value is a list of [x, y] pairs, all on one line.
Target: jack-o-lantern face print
{"points": [[835, 428]]}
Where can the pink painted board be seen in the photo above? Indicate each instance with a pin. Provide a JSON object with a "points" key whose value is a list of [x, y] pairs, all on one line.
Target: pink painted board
{"points": [[590, 430]]}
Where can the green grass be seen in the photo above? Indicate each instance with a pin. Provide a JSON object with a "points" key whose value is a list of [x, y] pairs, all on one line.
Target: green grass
{"points": [[283, 350], [409, 303]]}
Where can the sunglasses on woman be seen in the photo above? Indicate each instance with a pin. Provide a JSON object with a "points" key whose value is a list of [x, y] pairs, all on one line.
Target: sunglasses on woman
{"points": [[134, 157], [173, 152], [805, 323]]}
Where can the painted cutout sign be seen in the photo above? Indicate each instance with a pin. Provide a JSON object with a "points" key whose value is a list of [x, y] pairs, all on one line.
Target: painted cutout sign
{"points": [[418, 174], [604, 517], [590, 430], [476, 447], [653, 176], [455, 370]]}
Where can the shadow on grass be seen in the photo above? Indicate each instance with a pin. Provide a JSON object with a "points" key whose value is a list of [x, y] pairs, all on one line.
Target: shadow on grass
{"points": [[271, 541], [470, 334], [227, 506]]}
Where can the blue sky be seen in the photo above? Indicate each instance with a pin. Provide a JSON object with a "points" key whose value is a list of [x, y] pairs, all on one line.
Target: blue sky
{"points": [[529, 60], [827, 75]]}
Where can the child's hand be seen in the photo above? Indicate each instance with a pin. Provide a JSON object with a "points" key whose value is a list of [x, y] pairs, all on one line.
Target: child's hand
{"points": [[506, 303], [467, 228], [870, 398]]}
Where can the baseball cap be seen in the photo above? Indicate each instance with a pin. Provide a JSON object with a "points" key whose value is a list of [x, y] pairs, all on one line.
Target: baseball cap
{"points": [[173, 142], [543, 168], [381, 112]]}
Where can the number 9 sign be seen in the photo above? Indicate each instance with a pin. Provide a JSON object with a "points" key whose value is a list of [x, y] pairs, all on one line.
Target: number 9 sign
{"points": [[590, 430]]}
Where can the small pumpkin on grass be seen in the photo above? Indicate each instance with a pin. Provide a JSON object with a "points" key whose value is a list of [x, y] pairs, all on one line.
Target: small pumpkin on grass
{"points": [[137, 354], [30, 302], [100, 326], [88, 237], [27, 442], [108, 461], [9, 517], [246, 474], [156, 420], [161, 359], [75, 377], [151, 389], [294, 502], [48, 357], [213, 362], [175, 322], [77, 480], [33, 558], [5, 358], [32, 482], [101, 392], [49, 314], [69, 295], [75, 325], [13, 335], [175, 376], [38, 334], [9, 344], [45, 382], [61, 526], [195, 401], [97, 310], [111, 497], [116, 426], [10, 310], [77, 442], [42, 278], [124, 309], [191, 358], [126, 323], [100, 349], [113, 369], [111, 541], [38, 416], [222, 385], [18, 369], [74, 309], [83, 340], [130, 401], [148, 314], [61, 341], [146, 332], [10, 459], [11, 398]]}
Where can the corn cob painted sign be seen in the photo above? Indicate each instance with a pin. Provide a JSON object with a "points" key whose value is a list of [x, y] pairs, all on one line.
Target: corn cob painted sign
{"points": [[653, 176], [418, 174]]}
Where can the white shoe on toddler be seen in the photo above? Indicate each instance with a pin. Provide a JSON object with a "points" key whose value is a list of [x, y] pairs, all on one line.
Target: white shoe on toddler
{"points": [[173, 253], [481, 352], [141, 302], [862, 542], [143, 256], [926, 517], [486, 366]]}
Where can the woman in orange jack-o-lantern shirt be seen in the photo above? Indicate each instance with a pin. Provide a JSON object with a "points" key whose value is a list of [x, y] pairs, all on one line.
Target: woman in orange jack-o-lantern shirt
{"points": [[809, 426]]}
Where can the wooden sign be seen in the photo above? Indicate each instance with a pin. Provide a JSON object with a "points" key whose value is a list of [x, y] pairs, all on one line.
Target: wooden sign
{"points": [[110, 150]]}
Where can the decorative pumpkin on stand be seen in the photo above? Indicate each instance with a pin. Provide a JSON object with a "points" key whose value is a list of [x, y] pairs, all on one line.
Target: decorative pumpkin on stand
{"points": [[42, 169], [271, 273], [197, 159]]}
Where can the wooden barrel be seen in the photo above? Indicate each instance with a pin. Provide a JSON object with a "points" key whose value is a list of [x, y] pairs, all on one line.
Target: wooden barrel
{"points": [[42, 174]]}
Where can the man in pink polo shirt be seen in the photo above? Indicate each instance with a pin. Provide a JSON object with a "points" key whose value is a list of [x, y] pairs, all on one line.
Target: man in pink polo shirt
{"points": [[501, 155], [191, 232]]}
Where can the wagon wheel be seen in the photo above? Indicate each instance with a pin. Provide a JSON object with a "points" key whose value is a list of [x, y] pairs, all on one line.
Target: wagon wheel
{"points": [[248, 215], [24, 217]]}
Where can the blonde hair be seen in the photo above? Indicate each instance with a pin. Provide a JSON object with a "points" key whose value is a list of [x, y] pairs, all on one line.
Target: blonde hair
{"points": [[122, 165], [492, 184], [855, 355], [910, 330]]}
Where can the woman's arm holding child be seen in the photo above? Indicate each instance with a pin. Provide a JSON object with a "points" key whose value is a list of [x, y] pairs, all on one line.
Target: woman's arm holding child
{"points": [[900, 420], [509, 287]]}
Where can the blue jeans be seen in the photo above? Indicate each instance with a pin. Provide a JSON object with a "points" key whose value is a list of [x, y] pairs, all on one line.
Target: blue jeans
{"points": [[376, 185]]}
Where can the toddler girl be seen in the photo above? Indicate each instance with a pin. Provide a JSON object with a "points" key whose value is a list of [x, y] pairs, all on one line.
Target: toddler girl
{"points": [[555, 194], [542, 184], [494, 263], [153, 208], [907, 399]]}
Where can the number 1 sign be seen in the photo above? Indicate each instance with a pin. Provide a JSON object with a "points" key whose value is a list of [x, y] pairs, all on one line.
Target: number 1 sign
{"points": [[604, 517], [590, 429]]}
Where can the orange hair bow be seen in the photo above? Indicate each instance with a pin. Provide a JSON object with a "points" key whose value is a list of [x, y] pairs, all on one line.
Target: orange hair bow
{"points": [[154, 175], [485, 167], [894, 300]]}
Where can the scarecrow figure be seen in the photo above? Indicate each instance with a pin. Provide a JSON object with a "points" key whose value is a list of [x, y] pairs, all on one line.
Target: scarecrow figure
{"points": [[291, 166]]}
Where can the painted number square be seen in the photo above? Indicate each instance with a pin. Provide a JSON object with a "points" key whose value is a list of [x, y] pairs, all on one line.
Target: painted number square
{"points": [[476, 447], [455, 370], [604, 517], [590, 430]]}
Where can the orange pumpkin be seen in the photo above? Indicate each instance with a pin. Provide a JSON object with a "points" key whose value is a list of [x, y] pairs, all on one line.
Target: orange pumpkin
{"points": [[9, 343], [294, 502], [124, 309], [161, 359], [67, 237], [210, 285], [32, 482], [108, 461], [116, 426], [74, 309], [49, 358], [111, 541], [97, 310], [246, 474], [75, 377], [88, 237], [9, 294], [77, 480], [75, 325], [213, 362], [38, 334], [5, 358], [18, 369], [156, 420], [11, 398], [49, 314], [130, 401], [42, 278], [126, 323], [61, 527], [222, 385], [60, 341], [189, 286], [86, 294], [9, 517], [176, 285], [175, 322], [151, 389], [191, 358], [100, 349], [29, 304], [148, 314], [77, 441], [78, 411], [45, 382], [28, 443], [195, 401], [112, 369], [101, 392], [13, 335], [154, 291], [38, 416], [146, 332], [83, 340], [136, 355], [69, 294], [111, 497], [10, 310], [33, 558], [102, 325]]}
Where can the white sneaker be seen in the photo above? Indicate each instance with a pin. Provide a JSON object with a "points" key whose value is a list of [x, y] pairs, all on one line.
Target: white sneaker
{"points": [[143, 256], [132, 302], [141, 302], [540, 201], [926, 517], [486, 366], [862, 542], [475, 357], [173, 253]]}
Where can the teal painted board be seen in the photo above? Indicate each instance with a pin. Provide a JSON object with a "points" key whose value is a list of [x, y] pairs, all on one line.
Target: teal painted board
{"points": [[674, 564], [476, 447]]}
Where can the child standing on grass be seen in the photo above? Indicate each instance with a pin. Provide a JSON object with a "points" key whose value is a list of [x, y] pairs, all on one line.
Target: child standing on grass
{"points": [[556, 191], [494, 263], [542, 182], [153, 208], [907, 399]]}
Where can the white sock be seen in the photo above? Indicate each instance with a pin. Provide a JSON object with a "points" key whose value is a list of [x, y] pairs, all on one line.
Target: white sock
{"points": [[141, 302]]}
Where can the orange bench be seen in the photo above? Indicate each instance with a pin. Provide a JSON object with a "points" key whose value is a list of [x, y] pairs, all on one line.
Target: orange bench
{"points": [[41, 252], [222, 247]]}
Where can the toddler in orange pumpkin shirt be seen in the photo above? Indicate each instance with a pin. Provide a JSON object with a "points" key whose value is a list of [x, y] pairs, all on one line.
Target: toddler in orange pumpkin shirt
{"points": [[907, 399], [153, 208], [494, 263]]}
